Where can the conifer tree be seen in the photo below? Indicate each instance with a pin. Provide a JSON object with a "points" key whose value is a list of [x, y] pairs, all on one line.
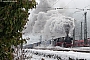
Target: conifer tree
{"points": [[13, 18]]}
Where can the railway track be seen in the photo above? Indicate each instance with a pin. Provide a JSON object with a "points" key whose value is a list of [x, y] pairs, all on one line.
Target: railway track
{"points": [[60, 54], [66, 49]]}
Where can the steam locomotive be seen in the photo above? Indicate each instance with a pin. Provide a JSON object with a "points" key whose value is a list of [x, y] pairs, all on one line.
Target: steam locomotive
{"points": [[63, 42]]}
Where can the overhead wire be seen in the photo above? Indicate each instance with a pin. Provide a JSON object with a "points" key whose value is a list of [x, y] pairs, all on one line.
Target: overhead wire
{"points": [[74, 12], [66, 8], [67, 4], [87, 6], [55, 2], [82, 16], [74, 3]]}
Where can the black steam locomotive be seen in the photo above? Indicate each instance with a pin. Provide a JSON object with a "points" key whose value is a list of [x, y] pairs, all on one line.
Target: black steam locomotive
{"points": [[63, 41]]}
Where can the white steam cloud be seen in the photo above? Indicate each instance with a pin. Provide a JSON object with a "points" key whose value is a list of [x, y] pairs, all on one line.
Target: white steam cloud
{"points": [[48, 22]]}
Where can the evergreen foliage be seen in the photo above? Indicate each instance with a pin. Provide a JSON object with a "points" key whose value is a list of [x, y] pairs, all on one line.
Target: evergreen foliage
{"points": [[12, 21]]}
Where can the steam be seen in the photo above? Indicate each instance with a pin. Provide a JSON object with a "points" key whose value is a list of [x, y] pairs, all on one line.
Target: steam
{"points": [[47, 22], [43, 6]]}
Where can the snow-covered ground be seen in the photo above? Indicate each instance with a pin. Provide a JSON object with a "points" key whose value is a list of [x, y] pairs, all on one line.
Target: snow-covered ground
{"points": [[35, 54], [38, 54], [37, 57]]}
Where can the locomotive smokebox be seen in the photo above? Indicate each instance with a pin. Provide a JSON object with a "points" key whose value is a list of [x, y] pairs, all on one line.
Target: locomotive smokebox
{"points": [[67, 41], [67, 29]]}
